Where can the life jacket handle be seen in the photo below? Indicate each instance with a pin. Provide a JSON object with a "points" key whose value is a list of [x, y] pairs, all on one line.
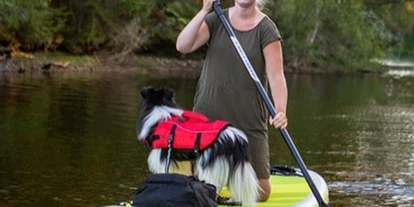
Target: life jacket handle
{"points": [[193, 116]]}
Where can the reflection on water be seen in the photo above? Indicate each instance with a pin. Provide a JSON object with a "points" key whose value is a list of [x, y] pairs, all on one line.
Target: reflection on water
{"points": [[400, 73], [385, 139], [394, 194], [361, 131], [396, 63], [69, 139], [395, 189]]}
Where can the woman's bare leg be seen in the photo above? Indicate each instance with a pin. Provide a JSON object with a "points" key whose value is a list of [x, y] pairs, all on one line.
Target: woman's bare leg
{"points": [[265, 186]]}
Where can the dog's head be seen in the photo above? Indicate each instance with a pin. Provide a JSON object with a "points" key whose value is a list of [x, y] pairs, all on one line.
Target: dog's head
{"points": [[156, 105], [152, 97]]}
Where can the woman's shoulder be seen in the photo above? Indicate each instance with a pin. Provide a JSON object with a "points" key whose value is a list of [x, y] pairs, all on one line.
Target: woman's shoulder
{"points": [[267, 25], [212, 19], [269, 30], [213, 16], [267, 22]]}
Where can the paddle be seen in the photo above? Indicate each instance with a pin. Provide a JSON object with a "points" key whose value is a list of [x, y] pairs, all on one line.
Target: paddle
{"points": [[269, 105]]}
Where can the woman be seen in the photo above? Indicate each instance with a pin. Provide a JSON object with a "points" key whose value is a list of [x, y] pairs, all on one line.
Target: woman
{"points": [[225, 89]]}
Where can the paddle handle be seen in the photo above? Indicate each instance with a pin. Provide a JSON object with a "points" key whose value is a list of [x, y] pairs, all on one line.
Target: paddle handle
{"points": [[269, 105]]}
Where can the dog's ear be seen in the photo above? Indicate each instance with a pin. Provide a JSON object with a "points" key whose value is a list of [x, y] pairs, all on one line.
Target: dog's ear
{"points": [[147, 91], [168, 93]]}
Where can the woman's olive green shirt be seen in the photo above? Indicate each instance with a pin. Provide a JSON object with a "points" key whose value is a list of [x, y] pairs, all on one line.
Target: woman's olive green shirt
{"points": [[225, 89]]}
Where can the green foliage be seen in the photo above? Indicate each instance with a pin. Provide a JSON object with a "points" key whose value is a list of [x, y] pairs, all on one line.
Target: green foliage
{"points": [[296, 21], [398, 19], [31, 22], [322, 33], [92, 23], [327, 33], [178, 14]]}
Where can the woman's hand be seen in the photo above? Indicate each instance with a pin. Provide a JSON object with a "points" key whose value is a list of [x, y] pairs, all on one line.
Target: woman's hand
{"points": [[208, 5], [279, 121]]}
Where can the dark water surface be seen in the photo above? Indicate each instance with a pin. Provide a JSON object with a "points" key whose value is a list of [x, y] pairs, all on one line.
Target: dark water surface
{"points": [[69, 139]]}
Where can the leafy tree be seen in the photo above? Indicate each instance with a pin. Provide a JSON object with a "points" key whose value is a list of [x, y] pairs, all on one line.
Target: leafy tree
{"points": [[398, 19], [29, 24], [321, 33], [327, 33], [92, 23]]}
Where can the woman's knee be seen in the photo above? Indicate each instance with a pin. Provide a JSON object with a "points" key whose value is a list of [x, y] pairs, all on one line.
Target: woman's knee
{"points": [[265, 189]]}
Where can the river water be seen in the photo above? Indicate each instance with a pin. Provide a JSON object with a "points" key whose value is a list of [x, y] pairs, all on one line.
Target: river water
{"points": [[68, 139]]}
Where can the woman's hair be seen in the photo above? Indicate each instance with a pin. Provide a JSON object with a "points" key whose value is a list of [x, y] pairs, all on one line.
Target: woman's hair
{"points": [[261, 3]]}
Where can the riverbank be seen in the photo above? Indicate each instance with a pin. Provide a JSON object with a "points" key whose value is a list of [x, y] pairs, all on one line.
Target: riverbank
{"points": [[60, 62], [159, 65]]}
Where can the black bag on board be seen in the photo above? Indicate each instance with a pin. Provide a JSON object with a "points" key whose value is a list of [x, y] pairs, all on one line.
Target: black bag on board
{"points": [[167, 190]]}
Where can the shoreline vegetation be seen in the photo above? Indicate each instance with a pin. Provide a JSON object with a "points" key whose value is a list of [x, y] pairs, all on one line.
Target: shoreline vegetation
{"points": [[61, 62], [78, 35], [146, 63]]}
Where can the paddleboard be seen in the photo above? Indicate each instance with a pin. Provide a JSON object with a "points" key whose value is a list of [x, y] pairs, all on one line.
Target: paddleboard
{"points": [[289, 189]]}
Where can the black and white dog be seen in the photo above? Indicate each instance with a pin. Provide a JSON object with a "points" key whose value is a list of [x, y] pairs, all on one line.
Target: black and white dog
{"points": [[219, 153]]}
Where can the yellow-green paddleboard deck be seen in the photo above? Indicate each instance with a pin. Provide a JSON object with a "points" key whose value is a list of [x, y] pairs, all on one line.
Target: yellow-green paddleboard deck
{"points": [[288, 190]]}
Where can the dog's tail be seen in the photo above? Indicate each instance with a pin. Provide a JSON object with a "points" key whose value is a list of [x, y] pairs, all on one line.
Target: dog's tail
{"points": [[227, 163], [156, 162], [243, 184]]}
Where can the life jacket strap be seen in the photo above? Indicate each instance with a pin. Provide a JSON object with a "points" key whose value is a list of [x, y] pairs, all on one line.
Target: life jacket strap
{"points": [[170, 143], [197, 143]]}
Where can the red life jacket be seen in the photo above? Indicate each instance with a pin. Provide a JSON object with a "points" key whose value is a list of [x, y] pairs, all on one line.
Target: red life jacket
{"points": [[192, 131]]}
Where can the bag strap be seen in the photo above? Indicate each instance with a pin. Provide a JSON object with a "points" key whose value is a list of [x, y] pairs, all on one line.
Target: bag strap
{"points": [[226, 201]]}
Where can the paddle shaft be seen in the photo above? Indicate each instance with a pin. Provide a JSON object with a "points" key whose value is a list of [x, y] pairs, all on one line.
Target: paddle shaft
{"points": [[269, 105]]}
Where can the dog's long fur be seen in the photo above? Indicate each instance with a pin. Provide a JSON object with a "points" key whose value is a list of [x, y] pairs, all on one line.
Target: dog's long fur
{"points": [[224, 163]]}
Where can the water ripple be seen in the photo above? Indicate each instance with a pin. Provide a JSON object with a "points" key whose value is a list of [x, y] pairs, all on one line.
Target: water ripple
{"points": [[397, 193]]}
